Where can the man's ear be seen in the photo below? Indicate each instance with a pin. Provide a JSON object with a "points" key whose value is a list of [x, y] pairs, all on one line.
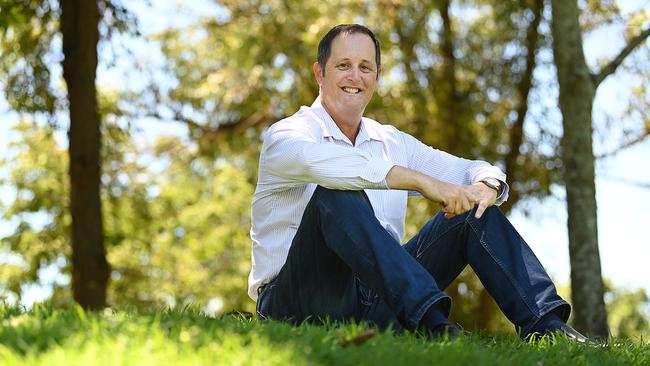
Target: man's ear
{"points": [[318, 72]]}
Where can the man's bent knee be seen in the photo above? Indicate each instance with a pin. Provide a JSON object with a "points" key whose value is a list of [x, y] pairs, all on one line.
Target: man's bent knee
{"points": [[333, 195]]}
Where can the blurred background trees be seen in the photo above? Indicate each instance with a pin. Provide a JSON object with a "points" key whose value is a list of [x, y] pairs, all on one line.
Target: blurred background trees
{"points": [[475, 78]]}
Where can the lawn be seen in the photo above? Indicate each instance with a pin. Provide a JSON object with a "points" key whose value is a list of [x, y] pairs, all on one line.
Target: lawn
{"points": [[44, 336]]}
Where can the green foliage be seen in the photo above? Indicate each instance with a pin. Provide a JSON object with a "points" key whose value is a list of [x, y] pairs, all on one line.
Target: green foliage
{"points": [[628, 312], [30, 51], [196, 246], [626, 315], [176, 232], [241, 70], [40, 179], [27, 29], [71, 337]]}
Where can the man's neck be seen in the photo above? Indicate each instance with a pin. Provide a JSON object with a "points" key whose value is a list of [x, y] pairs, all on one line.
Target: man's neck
{"points": [[349, 124]]}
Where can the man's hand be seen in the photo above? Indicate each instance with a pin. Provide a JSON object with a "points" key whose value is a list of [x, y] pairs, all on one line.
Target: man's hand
{"points": [[484, 197], [455, 200]]}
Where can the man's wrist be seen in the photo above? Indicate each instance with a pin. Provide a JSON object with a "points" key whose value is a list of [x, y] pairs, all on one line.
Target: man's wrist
{"points": [[493, 183]]}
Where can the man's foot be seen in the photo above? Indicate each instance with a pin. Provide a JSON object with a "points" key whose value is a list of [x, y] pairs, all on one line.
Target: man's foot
{"points": [[435, 325], [573, 335], [564, 330], [552, 326]]}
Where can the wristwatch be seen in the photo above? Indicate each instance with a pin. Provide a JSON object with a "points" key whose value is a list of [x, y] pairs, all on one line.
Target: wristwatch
{"points": [[494, 184]]}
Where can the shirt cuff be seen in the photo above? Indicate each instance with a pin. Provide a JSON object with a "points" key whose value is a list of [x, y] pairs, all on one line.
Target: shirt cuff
{"points": [[504, 194]]}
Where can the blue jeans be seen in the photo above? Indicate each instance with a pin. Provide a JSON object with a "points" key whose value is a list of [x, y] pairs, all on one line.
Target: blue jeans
{"points": [[343, 265]]}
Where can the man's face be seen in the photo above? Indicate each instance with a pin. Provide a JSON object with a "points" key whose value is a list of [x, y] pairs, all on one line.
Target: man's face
{"points": [[350, 75]]}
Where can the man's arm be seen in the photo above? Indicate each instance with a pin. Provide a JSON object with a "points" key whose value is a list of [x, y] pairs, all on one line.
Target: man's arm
{"points": [[450, 168], [292, 155], [455, 199]]}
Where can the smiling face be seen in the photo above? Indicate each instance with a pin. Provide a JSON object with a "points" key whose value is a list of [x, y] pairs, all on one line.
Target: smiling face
{"points": [[349, 78]]}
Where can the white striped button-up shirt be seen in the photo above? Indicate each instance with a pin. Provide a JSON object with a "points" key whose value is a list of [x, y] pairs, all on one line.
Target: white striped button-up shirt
{"points": [[308, 149]]}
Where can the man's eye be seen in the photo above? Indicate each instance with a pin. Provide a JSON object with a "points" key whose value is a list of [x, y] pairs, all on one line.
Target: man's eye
{"points": [[343, 66], [366, 68]]}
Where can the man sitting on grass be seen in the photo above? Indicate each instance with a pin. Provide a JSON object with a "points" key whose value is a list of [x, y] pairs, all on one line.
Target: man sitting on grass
{"points": [[329, 209]]}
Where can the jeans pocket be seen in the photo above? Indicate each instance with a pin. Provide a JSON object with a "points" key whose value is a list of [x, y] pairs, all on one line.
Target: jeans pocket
{"points": [[264, 302]]}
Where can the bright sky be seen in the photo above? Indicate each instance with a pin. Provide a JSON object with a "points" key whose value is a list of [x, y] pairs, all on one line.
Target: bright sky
{"points": [[622, 207]]}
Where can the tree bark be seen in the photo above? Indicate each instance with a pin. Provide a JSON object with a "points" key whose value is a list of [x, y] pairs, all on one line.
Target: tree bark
{"points": [[90, 270], [576, 100], [512, 165], [446, 90]]}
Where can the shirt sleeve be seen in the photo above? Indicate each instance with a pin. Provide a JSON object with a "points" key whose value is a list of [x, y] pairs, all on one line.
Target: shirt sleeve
{"points": [[293, 154], [449, 168]]}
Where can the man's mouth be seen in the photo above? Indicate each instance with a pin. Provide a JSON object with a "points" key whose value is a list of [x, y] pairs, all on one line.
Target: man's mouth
{"points": [[351, 90]]}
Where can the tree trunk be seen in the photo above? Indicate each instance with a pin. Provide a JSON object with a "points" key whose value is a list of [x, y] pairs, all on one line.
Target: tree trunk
{"points": [[79, 27], [512, 164], [446, 91], [576, 100]]}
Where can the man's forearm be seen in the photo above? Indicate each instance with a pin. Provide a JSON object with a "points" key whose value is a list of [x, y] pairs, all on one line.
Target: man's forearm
{"points": [[454, 199], [402, 178]]}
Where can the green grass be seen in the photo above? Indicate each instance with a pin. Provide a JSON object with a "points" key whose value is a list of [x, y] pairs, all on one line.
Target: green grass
{"points": [[44, 336]]}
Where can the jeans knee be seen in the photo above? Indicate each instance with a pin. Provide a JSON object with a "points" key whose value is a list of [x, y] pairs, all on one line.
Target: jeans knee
{"points": [[338, 196], [489, 213]]}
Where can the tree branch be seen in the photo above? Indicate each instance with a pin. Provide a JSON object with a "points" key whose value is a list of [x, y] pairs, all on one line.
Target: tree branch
{"points": [[630, 182], [176, 117], [233, 126], [204, 130], [618, 60], [625, 145], [407, 42]]}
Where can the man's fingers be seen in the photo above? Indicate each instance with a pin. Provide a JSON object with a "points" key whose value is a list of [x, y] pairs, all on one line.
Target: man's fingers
{"points": [[466, 206], [482, 205], [449, 210]]}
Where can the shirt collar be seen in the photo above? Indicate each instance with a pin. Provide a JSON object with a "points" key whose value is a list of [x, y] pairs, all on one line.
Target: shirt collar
{"points": [[330, 129], [368, 131]]}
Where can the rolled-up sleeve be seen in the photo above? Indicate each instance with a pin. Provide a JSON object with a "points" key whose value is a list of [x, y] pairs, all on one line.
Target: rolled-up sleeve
{"points": [[449, 168], [293, 154]]}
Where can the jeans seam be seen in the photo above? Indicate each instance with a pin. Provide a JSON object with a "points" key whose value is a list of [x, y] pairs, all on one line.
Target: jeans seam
{"points": [[419, 252], [506, 273]]}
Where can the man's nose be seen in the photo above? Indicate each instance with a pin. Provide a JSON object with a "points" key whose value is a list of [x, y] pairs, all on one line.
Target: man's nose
{"points": [[354, 74]]}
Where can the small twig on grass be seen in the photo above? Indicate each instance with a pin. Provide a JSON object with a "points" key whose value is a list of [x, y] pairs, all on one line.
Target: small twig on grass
{"points": [[344, 341]]}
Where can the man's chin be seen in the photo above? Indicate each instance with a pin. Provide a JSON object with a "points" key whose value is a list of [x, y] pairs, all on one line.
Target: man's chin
{"points": [[356, 103], [352, 108], [346, 107]]}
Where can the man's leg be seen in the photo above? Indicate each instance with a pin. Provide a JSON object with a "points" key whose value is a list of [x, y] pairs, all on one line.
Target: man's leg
{"points": [[500, 257], [340, 238]]}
